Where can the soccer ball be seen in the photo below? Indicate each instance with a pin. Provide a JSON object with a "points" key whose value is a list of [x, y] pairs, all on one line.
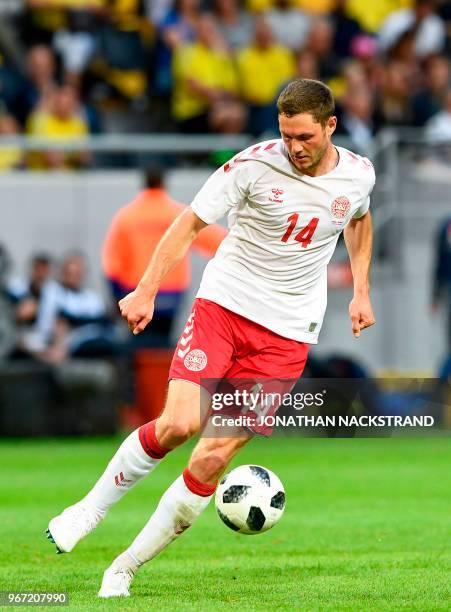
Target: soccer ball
{"points": [[250, 499]]}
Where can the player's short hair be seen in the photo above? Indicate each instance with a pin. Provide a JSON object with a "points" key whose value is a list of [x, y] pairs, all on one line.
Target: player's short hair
{"points": [[307, 96]]}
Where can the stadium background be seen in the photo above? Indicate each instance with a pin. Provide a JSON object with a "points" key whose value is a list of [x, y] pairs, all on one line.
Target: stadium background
{"points": [[92, 94]]}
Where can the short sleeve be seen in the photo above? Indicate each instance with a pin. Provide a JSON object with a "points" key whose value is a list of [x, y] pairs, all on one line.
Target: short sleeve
{"points": [[226, 188], [363, 209], [368, 179]]}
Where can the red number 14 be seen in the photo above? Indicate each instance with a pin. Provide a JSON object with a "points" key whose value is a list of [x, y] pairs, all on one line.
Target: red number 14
{"points": [[305, 235]]}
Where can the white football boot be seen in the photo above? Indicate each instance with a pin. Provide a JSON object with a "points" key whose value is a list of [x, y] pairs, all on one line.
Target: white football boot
{"points": [[118, 577], [73, 524]]}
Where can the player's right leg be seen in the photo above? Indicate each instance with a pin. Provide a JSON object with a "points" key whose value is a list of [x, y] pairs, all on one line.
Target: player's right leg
{"points": [[137, 456], [180, 506]]}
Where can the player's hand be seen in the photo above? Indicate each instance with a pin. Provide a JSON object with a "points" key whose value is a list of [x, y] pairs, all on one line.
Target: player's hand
{"points": [[137, 309], [361, 314]]}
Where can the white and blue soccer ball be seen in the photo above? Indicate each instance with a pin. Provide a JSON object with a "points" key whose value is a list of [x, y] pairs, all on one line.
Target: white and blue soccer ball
{"points": [[250, 499]]}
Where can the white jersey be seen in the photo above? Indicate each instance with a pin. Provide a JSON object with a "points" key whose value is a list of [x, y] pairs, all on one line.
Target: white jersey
{"points": [[284, 226]]}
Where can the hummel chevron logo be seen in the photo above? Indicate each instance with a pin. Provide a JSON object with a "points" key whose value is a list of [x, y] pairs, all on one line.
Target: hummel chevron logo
{"points": [[186, 336], [120, 480], [189, 324], [184, 341], [181, 353], [255, 152]]}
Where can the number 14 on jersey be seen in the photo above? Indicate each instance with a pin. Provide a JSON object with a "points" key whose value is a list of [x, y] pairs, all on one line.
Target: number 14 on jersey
{"points": [[305, 235]]}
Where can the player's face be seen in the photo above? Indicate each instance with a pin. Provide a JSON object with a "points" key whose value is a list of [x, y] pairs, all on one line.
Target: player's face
{"points": [[306, 140]]}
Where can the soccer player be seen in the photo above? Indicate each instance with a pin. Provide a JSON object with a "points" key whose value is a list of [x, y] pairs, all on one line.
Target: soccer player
{"points": [[260, 305]]}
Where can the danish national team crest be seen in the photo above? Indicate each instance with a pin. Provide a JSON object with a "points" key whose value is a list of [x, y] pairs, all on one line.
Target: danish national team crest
{"points": [[196, 360], [340, 207]]}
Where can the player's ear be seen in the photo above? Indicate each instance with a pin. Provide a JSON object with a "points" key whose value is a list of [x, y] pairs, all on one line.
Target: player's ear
{"points": [[331, 125]]}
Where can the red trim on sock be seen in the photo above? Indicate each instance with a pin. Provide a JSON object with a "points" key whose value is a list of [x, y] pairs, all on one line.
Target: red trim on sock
{"points": [[196, 486], [150, 443]]}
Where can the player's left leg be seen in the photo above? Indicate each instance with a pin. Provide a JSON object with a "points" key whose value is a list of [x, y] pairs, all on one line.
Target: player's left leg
{"points": [[177, 510]]}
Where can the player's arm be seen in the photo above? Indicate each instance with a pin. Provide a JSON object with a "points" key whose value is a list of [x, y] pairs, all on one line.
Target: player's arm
{"points": [[208, 241], [137, 307], [358, 235]]}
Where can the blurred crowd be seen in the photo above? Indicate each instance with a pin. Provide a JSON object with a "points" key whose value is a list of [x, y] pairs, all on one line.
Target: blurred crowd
{"points": [[56, 315], [67, 67]]}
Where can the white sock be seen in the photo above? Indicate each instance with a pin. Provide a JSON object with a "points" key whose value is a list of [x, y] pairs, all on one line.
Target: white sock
{"points": [[126, 468], [178, 509]]}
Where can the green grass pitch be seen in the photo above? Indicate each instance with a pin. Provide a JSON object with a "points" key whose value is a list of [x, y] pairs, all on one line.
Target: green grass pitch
{"points": [[366, 528]]}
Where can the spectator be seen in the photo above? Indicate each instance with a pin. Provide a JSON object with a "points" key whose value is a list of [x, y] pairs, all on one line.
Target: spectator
{"points": [[346, 29], [42, 19], [356, 118], [72, 319], [204, 76], [445, 14], [25, 297], [431, 99], [364, 52], [177, 28], [438, 128], [41, 68], [263, 69], [228, 117], [63, 120], [404, 50], [371, 15], [12, 89], [5, 264], [394, 103], [125, 51], [234, 24], [441, 291], [289, 24], [156, 10], [26, 294], [307, 65], [352, 76], [259, 6], [423, 21], [132, 237], [132, 52], [355, 76], [78, 41], [320, 41], [319, 7], [10, 157]]}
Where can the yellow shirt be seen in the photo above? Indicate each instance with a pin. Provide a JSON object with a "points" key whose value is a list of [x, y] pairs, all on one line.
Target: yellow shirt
{"points": [[318, 7], [49, 126], [77, 4], [309, 6], [259, 5], [10, 158], [210, 68], [45, 125], [263, 72], [371, 15]]}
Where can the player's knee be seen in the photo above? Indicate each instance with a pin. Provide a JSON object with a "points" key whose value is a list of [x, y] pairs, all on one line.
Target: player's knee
{"points": [[173, 433]]}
